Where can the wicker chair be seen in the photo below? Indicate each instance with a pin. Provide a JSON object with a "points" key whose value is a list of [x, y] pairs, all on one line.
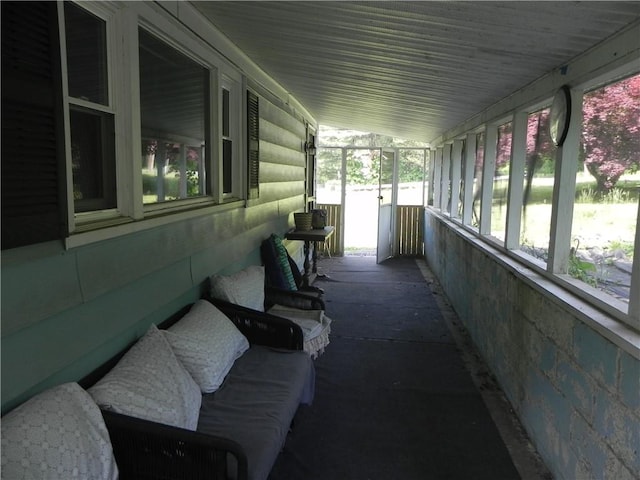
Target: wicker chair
{"points": [[286, 297], [283, 280]]}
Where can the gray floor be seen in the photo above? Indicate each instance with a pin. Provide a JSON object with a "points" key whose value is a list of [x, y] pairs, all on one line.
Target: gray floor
{"points": [[529, 464], [401, 393]]}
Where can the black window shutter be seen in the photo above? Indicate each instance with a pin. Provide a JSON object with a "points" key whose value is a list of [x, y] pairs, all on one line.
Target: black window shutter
{"points": [[253, 145], [31, 158]]}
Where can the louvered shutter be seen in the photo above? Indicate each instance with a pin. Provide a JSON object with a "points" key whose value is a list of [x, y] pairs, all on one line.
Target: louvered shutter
{"points": [[32, 165], [253, 145]]}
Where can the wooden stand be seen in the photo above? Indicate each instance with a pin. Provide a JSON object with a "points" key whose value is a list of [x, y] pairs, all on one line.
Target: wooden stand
{"points": [[307, 236]]}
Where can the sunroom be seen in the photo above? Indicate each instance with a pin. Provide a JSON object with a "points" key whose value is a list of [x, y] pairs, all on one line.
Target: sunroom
{"points": [[149, 145]]}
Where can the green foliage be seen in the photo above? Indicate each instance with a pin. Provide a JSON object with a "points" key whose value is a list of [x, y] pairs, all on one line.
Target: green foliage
{"points": [[582, 270], [547, 167], [614, 196], [363, 162], [411, 166], [337, 137], [625, 247], [171, 185]]}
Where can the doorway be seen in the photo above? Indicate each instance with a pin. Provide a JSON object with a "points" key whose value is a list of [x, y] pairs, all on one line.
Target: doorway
{"points": [[362, 167], [349, 184]]}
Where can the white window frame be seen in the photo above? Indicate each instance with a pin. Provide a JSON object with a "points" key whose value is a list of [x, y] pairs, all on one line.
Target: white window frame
{"points": [[131, 215], [562, 206], [107, 14], [210, 155], [234, 87]]}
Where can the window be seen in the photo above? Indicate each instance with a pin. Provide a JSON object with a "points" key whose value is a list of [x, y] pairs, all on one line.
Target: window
{"points": [[458, 168], [86, 55], [477, 180], [110, 140], [92, 159], [231, 164], [538, 186], [583, 235], [173, 105], [410, 176], [605, 212], [91, 118], [501, 181]]}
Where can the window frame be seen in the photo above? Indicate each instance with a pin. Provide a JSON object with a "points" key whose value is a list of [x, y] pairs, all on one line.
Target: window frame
{"points": [[562, 207], [209, 194], [106, 14], [122, 43], [234, 87]]}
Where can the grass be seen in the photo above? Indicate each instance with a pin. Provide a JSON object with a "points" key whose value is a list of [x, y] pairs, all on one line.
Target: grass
{"points": [[607, 223]]}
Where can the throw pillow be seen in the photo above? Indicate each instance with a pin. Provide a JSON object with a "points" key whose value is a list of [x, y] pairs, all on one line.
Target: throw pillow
{"points": [[245, 288], [207, 343], [274, 277], [58, 434], [282, 260], [150, 383]]}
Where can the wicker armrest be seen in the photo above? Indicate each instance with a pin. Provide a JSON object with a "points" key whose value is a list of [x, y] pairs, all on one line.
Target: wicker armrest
{"points": [[260, 328], [150, 450], [304, 300]]}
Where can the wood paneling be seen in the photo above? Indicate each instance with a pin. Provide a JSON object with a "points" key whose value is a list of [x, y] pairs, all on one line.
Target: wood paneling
{"points": [[334, 215], [409, 230]]}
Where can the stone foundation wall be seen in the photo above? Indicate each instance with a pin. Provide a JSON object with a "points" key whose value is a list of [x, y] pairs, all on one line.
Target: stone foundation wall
{"points": [[576, 392]]}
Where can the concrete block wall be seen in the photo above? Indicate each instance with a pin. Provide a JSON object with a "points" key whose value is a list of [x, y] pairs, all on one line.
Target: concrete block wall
{"points": [[576, 392]]}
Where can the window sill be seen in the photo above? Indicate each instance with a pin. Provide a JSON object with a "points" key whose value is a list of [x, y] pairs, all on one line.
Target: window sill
{"points": [[116, 227], [607, 324]]}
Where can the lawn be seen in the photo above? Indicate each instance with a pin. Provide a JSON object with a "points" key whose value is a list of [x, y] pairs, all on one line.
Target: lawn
{"points": [[608, 223]]}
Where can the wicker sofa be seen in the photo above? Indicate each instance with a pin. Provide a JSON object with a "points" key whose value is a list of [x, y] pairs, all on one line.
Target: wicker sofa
{"points": [[170, 410]]}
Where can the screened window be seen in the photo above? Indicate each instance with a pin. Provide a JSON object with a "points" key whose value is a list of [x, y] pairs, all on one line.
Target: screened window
{"points": [[173, 106], [460, 166], [501, 181], [591, 234], [477, 180], [538, 186], [605, 212], [411, 173]]}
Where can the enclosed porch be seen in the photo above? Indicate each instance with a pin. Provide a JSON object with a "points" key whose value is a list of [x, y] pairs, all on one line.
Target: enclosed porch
{"points": [[147, 146]]}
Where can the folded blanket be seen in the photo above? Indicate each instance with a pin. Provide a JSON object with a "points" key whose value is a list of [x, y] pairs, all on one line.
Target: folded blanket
{"points": [[315, 326]]}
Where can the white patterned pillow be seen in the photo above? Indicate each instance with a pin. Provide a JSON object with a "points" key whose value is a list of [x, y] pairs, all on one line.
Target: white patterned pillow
{"points": [[58, 434], [207, 343], [150, 383], [245, 288]]}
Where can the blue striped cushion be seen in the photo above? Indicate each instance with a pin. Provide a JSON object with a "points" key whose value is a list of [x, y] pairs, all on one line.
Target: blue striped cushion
{"points": [[277, 269]]}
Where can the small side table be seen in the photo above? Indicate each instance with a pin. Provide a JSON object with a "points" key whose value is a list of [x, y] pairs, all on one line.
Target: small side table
{"points": [[308, 236]]}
